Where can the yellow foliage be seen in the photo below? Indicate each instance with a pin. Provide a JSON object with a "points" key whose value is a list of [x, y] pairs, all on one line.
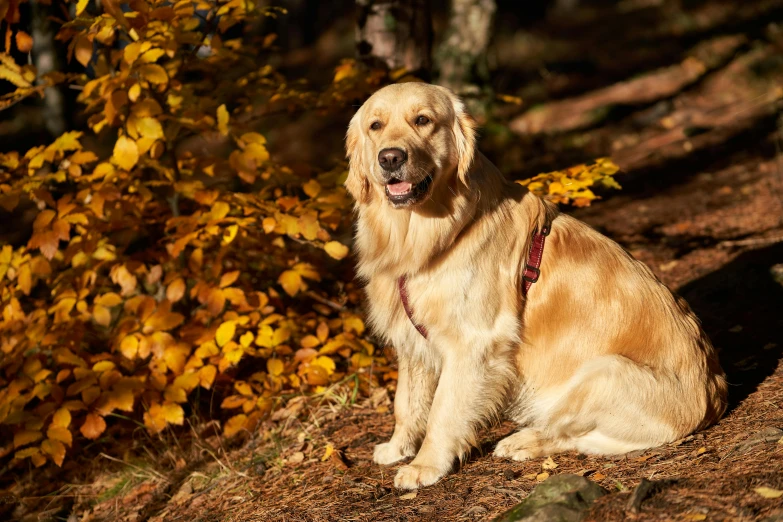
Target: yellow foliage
{"points": [[153, 269]]}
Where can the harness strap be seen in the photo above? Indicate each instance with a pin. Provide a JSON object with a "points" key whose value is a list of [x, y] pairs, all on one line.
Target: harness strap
{"points": [[529, 276], [533, 266], [404, 298]]}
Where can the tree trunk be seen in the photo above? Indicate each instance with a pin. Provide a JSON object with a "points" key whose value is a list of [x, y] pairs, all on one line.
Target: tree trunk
{"points": [[396, 34], [46, 59], [461, 58]]}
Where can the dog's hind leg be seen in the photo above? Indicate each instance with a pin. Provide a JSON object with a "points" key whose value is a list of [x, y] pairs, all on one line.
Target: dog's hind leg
{"points": [[412, 401], [612, 406]]}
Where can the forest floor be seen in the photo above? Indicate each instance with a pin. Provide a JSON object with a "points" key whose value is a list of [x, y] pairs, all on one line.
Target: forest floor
{"points": [[702, 205]]}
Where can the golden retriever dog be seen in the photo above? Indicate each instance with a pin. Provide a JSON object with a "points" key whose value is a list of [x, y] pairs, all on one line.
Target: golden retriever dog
{"points": [[597, 356]]}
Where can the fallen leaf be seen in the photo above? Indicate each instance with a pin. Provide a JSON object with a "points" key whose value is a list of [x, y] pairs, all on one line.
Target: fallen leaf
{"points": [[296, 458], [409, 496], [328, 452], [549, 464], [542, 476], [766, 492]]}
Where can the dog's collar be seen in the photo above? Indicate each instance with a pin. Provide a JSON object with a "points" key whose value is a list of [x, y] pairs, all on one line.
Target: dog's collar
{"points": [[529, 276]]}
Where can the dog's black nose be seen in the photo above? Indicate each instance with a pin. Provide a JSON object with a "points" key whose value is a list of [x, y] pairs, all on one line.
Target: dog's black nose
{"points": [[392, 159]]}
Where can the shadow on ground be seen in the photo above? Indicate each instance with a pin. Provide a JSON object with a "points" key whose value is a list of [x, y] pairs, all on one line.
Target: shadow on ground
{"points": [[740, 308]]}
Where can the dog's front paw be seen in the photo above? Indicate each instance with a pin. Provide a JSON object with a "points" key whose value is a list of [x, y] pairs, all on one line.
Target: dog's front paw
{"points": [[414, 476], [389, 453]]}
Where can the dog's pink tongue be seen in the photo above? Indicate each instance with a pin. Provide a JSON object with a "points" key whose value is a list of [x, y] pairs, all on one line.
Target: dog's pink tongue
{"points": [[398, 189]]}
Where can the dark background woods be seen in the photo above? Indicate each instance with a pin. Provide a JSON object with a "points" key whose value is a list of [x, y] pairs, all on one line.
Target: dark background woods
{"points": [[684, 95]]}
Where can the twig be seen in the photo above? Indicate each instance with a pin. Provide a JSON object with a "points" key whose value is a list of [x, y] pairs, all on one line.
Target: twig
{"points": [[752, 241], [506, 491], [323, 300]]}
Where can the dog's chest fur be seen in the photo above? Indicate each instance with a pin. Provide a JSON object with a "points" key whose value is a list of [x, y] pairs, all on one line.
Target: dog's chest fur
{"points": [[468, 300]]}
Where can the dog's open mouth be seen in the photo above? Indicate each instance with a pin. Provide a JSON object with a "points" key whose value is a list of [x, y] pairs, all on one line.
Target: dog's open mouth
{"points": [[405, 193]]}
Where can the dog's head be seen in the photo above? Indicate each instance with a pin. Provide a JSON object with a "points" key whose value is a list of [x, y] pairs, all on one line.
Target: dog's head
{"points": [[407, 140]]}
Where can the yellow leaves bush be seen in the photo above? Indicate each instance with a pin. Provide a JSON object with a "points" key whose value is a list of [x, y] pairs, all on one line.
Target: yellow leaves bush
{"points": [[154, 269]]}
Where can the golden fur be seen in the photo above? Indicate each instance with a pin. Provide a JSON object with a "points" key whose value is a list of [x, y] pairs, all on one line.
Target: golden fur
{"points": [[600, 357]]}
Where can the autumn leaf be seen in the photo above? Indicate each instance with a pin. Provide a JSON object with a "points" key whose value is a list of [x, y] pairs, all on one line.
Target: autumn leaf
{"points": [[175, 290], [274, 366], [291, 281], [222, 120], [225, 332], [24, 437], [234, 425], [206, 376], [24, 42], [61, 418], [126, 153], [60, 434], [81, 5], [336, 250], [233, 401], [327, 452], [55, 449], [767, 492], [83, 49], [153, 73]]}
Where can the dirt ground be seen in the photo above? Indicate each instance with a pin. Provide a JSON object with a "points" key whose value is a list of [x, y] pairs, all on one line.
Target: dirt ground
{"points": [[702, 205]]}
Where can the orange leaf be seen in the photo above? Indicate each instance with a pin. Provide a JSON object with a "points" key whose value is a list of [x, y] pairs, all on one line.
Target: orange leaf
{"points": [[108, 300], [61, 434], [130, 346], [206, 376], [153, 73], [233, 401], [229, 278], [24, 437], [336, 250], [93, 426], [126, 153], [24, 42], [162, 320], [274, 366], [102, 315], [216, 301], [175, 290], [61, 418], [82, 49], [174, 414], [55, 449], [291, 282], [222, 120], [225, 332], [234, 425]]}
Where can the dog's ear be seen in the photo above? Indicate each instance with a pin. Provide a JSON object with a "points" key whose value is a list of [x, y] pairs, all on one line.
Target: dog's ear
{"points": [[465, 136], [357, 183]]}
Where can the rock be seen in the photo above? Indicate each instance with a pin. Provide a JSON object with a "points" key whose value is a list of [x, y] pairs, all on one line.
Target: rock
{"points": [[562, 498]]}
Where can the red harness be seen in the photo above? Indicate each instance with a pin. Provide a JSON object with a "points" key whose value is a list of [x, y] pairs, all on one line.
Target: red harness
{"points": [[529, 276]]}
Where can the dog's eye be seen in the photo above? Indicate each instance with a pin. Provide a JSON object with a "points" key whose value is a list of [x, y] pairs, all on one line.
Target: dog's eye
{"points": [[375, 125], [422, 120]]}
